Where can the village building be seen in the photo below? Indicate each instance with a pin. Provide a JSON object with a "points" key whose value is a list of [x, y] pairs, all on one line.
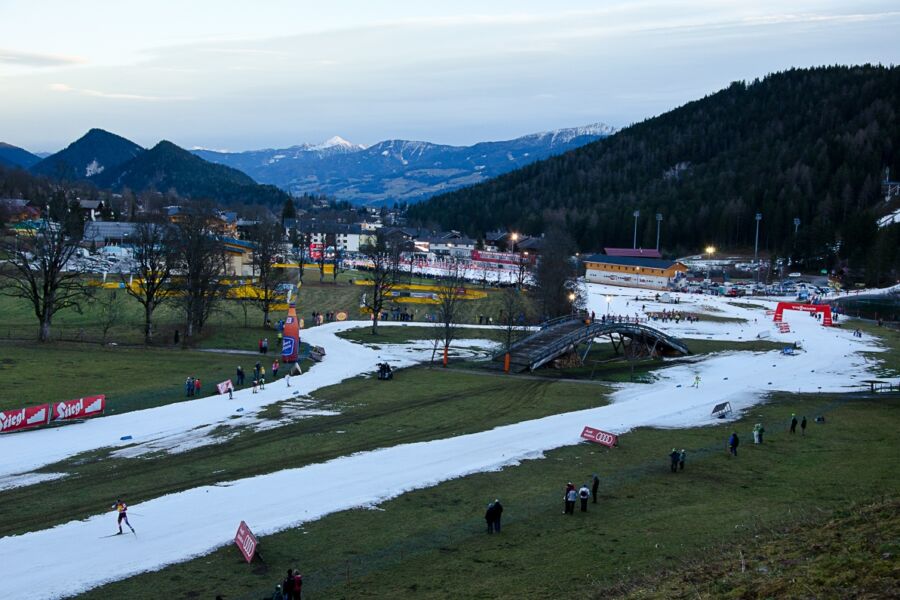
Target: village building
{"points": [[633, 271]]}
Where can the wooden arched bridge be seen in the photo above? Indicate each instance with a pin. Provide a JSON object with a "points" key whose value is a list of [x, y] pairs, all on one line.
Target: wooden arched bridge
{"points": [[563, 336]]}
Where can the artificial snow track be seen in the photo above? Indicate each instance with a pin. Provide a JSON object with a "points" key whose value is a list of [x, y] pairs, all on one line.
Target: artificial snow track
{"points": [[180, 526]]}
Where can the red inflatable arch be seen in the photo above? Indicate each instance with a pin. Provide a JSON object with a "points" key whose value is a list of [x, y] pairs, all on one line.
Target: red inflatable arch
{"points": [[810, 308]]}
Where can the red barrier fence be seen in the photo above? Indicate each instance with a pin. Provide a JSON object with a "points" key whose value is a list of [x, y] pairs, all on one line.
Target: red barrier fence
{"points": [[35, 416], [89, 406], [600, 437], [24, 418]]}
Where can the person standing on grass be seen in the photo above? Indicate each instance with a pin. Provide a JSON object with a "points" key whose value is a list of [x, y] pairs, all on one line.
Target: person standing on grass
{"points": [[595, 485], [584, 494], [188, 387], [296, 588], [287, 586], [674, 455], [570, 497], [733, 443], [793, 423], [240, 375], [762, 430], [681, 457], [498, 512], [265, 347], [803, 425], [260, 346], [756, 433], [197, 386], [489, 517], [275, 366]]}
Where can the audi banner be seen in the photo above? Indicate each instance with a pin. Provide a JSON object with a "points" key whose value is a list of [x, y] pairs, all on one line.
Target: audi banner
{"points": [[82, 408], [24, 418], [600, 437], [246, 541]]}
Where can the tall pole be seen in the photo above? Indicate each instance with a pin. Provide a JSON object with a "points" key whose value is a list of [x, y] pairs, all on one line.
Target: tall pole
{"points": [[637, 213], [796, 224], [658, 223], [756, 246]]}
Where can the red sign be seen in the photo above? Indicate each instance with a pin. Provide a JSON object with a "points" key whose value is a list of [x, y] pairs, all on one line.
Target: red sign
{"points": [[82, 408], [24, 418], [600, 437], [225, 386], [246, 541]]}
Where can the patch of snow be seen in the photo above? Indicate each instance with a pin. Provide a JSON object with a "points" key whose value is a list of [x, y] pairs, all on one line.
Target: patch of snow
{"points": [[890, 219], [13, 481], [93, 168]]}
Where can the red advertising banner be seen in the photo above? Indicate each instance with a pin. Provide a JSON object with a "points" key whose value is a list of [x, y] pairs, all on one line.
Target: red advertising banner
{"points": [[24, 418], [246, 541], [82, 408], [225, 386], [600, 437]]}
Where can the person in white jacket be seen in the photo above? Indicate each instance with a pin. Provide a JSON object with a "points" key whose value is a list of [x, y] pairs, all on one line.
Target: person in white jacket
{"points": [[584, 495]]}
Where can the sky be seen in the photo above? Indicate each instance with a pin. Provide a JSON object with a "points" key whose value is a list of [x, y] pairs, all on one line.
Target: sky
{"points": [[274, 73]]}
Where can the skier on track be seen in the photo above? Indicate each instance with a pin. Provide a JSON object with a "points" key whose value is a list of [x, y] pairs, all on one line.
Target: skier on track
{"points": [[122, 509]]}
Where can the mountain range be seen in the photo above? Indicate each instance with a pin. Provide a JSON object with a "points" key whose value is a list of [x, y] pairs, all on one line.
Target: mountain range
{"points": [[13, 156], [397, 170], [112, 162]]}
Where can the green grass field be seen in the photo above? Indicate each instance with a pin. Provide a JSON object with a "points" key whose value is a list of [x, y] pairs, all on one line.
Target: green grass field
{"points": [[431, 544]]}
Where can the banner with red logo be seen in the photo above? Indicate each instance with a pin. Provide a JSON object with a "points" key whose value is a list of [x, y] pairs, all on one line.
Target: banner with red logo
{"points": [[24, 418], [225, 386], [246, 541], [82, 408], [600, 437]]}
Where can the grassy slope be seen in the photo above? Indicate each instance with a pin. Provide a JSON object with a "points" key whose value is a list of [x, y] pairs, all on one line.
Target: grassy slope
{"points": [[430, 543], [373, 415], [852, 555]]}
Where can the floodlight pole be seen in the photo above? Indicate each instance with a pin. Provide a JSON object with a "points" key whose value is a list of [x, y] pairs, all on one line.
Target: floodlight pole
{"points": [[637, 213], [658, 223], [756, 246]]}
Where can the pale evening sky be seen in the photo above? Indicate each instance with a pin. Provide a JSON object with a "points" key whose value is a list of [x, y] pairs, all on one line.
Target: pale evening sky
{"points": [[272, 73]]}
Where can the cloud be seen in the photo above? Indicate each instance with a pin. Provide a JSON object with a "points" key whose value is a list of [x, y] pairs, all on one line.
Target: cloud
{"points": [[62, 87], [32, 59]]}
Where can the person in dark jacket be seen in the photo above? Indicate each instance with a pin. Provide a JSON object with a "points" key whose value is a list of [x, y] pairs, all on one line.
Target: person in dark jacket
{"points": [[595, 485], [674, 455], [793, 423], [489, 517], [733, 443], [803, 426], [498, 512], [240, 375], [583, 494], [569, 498], [681, 457]]}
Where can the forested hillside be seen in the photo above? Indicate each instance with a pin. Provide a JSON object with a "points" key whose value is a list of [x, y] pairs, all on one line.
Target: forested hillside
{"points": [[811, 144]]}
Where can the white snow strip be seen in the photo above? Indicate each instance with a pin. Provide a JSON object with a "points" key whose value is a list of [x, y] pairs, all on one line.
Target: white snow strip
{"points": [[13, 481], [180, 526]]}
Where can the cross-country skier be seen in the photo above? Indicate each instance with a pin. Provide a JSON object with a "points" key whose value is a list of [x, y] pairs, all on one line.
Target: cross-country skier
{"points": [[122, 509]]}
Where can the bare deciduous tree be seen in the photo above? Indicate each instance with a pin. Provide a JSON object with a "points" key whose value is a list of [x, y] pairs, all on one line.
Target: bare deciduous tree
{"points": [[202, 261], [384, 258], [109, 310], [267, 238], [36, 271], [450, 307], [154, 257], [555, 275]]}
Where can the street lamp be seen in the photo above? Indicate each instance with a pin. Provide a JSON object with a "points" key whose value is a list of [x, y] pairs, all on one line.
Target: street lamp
{"points": [[709, 253], [572, 301], [796, 224], [637, 213], [756, 246], [608, 300], [658, 223]]}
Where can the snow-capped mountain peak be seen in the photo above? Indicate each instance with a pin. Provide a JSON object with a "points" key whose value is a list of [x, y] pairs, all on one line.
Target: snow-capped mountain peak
{"points": [[337, 142]]}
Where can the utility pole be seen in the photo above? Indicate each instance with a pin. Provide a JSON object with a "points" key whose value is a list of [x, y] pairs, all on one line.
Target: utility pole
{"points": [[658, 223], [756, 247], [637, 213]]}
